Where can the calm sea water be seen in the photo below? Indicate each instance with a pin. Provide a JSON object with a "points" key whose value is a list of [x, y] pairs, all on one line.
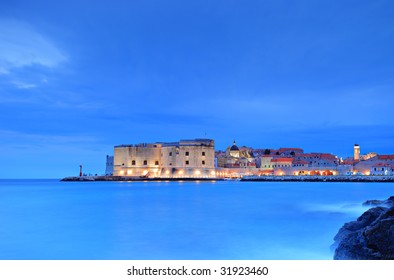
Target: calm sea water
{"points": [[48, 219]]}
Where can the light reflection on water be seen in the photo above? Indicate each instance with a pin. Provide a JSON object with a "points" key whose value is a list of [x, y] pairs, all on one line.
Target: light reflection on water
{"points": [[47, 219]]}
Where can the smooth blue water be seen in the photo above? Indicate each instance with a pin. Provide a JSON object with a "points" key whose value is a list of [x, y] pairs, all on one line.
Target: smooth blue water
{"points": [[47, 219]]}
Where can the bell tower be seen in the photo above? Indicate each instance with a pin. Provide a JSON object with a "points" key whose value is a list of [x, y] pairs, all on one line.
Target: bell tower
{"points": [[356, 152]]}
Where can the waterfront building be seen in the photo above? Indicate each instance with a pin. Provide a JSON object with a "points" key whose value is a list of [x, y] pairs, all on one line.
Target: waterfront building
{"points": [[197, 159], [188, 158], [382, 169], [319, 160], [300, 167], [282, 166], [236, 157], [265, 163], [366, 166], [137, 160], [235, 162], [183, 159]]}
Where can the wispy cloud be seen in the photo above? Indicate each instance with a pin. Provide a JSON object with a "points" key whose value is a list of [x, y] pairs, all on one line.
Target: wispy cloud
{"points": [[23, 85], [44, 139], [21, 46]]}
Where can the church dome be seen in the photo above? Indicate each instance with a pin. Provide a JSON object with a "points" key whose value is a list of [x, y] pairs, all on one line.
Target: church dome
{"points": [[234, 147]]}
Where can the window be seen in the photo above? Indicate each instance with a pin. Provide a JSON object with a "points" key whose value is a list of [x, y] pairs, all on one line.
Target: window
{"points": [[187, 153], [170, 154], [133, 162], [145, 162], [203, 153], [187, 162], [203, 162], [170, 163], [156, 162]]}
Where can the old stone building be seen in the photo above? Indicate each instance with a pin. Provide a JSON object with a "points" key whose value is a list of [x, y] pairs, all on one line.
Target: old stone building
{"points": [[188, 158], [236, 157], [183, 159], [137, 160]]}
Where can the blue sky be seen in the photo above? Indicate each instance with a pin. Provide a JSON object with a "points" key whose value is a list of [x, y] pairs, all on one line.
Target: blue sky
{"points": [[78, 78]]}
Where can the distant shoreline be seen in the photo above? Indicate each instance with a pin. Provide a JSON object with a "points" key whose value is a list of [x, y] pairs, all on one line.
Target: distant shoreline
{"points": [[350, 178], [367, 179]]}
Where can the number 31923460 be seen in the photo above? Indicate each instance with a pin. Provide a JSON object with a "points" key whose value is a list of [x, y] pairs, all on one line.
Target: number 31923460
{"points": [[244, 270]]}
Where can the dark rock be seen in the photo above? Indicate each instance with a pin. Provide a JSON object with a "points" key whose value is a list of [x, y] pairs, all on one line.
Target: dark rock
{"points": [[370, 237], [388, 203], [373, 202]]}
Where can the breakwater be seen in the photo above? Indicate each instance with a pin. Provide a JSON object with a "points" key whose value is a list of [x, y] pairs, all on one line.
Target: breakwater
{"points": [[129, 178], [244, 179], [318, 179]]}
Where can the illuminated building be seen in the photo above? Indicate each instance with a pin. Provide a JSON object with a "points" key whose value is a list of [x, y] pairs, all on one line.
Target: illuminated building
{"points": [[183, 159], [235, 157], [356, 152]]}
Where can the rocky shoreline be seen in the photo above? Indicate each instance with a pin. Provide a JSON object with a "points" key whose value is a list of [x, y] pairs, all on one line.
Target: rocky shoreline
{"points": [[370, 237]]}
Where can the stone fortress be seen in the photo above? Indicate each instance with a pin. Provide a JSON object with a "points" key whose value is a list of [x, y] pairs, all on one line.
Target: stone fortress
{"points": [[197, 158], [183, 159]]}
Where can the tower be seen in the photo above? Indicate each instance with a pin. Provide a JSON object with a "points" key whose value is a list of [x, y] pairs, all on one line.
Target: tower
{"points": [[356, 152], [80, 171]]}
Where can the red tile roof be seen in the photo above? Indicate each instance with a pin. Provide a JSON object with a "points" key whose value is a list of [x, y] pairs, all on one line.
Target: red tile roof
{"points": [[328, 156], [382, 165], [307, 155], [386, 157]]}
